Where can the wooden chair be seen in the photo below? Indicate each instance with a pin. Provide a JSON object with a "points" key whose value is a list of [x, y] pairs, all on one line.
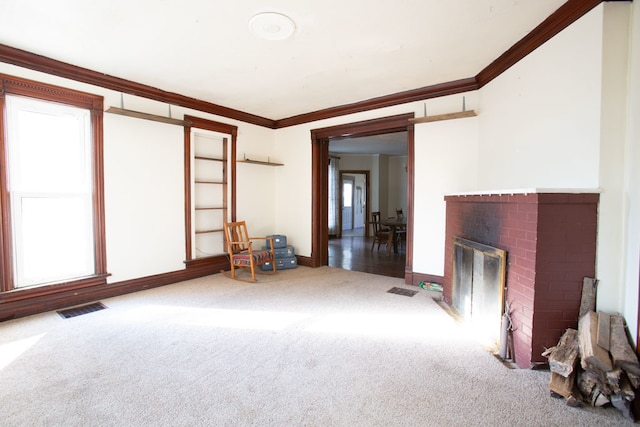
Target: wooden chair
{"points": [[401, 232], [241, 252], [380, 234]]}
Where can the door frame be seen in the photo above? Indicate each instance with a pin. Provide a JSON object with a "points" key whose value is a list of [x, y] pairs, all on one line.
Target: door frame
{"points": [[367, 196], [320, 139]]}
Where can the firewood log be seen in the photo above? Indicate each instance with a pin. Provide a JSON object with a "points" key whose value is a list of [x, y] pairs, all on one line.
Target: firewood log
{"points": [[621, 351], [592, 355], [564, 357]]}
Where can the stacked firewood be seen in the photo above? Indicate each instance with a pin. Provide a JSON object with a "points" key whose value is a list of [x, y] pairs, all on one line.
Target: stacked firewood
{"points": [[596, 364]]}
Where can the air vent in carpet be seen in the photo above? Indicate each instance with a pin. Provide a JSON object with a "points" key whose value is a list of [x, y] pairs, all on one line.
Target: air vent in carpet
{"points": [[83, 309], [401, 291]]}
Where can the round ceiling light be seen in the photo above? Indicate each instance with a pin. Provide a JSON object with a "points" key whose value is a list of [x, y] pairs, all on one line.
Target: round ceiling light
{"points": [[272, 26]]}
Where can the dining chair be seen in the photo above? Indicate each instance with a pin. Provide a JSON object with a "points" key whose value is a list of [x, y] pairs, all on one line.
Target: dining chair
{"points": [[380, 233], [401, 231]]}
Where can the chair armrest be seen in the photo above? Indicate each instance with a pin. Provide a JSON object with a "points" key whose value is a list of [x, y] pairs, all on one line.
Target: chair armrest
{"points": [[270, 239]]}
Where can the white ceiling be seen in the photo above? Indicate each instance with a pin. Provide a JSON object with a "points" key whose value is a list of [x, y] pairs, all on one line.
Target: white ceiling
{"points": [[342, 51]]}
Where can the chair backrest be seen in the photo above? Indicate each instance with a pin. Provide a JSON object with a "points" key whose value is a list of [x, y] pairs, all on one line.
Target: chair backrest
{"points": [[375, 220], [236, 236]]}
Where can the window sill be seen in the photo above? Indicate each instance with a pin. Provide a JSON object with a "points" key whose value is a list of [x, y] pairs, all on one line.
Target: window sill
{"points": [[53, 288]]}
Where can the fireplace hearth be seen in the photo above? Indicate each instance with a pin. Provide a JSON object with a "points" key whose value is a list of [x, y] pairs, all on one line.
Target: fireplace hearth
{"points": [[550, 239]]}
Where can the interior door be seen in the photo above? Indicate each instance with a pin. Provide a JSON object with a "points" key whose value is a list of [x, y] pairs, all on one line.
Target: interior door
{"points": [[347, 202]]}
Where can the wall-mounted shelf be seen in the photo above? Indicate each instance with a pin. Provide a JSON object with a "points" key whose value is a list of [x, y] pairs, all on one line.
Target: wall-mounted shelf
{"points": [[258, 162], [153, 117], [210, 159], [448, 116], [206, 181], [209, 231]]}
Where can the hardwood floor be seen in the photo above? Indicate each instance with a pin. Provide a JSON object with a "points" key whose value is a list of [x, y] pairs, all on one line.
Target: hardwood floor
{"points": [[354, 253]]}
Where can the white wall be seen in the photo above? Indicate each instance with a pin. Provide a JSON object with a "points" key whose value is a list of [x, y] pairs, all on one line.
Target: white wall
{"points": [[144, 200], [144, 197], [631, 193], [540, 120], [611, 226], [446, 154], [397, 185], [383, 186]]}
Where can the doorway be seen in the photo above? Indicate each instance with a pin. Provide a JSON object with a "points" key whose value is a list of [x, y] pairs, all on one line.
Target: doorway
{"points": [[346, 218], [354, 205], [320, 139]]}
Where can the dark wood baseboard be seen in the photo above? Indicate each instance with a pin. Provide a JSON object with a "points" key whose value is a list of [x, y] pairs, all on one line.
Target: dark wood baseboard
{"points": [[26, 307], [305, 261], [43, 303], [416, 278]]}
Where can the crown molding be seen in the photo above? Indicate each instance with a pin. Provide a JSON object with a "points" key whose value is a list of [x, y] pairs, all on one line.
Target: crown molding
{"points": [[433, 91], [568, 13], [54, 67]]}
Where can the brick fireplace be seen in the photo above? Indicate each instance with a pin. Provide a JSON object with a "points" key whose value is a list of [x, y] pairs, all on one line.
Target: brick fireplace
{"points": [[550, 240]]}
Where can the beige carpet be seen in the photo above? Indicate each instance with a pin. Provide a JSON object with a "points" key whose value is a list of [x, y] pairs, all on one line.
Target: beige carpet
{"points": [[305, 347]]}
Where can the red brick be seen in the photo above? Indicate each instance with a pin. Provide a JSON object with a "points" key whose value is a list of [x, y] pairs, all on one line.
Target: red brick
{"points": [[551, 315]]}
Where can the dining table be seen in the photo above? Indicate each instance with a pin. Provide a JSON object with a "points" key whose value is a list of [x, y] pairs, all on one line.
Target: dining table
{"points": [[394, 224]]}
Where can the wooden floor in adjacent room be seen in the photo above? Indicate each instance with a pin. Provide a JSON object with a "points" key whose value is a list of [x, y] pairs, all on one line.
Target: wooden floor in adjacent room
{"points": [[353, 252]]}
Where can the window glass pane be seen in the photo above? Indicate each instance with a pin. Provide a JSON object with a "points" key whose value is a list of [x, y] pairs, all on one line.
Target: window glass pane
{"points": [[50, 188], [347, 196], [52, 154], [53, 239]]}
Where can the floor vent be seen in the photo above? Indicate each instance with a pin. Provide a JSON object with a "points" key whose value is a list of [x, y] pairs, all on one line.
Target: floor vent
{"points": [[401, 291], [83, 309]]}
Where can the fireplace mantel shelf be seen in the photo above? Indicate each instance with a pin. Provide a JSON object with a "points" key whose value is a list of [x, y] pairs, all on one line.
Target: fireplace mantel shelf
{"points": [[528, 191]]}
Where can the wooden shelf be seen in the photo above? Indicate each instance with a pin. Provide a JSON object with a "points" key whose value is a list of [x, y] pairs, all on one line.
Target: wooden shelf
{"points": [[209, 231], [448, 116], [208, 209], [212, 159], [258, 162], [145, 116], [208, 182]]}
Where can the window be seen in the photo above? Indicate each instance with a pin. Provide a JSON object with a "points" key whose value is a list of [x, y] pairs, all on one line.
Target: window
{"points": [[51, 187]]}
